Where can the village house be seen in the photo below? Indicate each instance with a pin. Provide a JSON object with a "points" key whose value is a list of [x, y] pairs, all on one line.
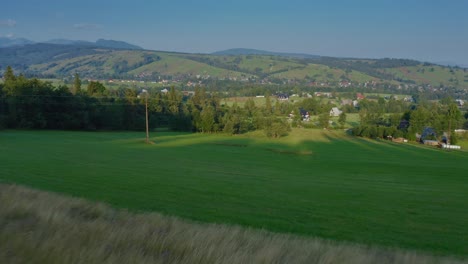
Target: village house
{"points": [[346, 102], [305, 115], [335, 111], [320, 94], [282, 97], [344, 84]]}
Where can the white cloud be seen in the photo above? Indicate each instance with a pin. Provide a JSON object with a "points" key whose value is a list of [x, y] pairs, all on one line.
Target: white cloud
{"points": [[11, 35], [87, 26], [7, 23]]}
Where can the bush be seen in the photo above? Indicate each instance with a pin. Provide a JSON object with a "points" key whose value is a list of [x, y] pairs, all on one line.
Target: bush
{"points": [[276, 128], [453, 138]]}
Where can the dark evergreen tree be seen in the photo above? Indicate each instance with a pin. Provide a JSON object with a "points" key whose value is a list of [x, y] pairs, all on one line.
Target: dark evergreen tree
{"points": [[76, 84]]}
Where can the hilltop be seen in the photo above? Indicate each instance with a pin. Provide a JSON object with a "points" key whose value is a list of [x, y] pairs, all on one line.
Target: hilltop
{"points": [[118, 60], [243, 51]]}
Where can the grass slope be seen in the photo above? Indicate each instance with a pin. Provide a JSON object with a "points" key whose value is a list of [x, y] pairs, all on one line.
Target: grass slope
{"points": [[103, 64], [98, 62], [312, 183], [433, 75], [39, 227], [173, 64], [322, 73]]}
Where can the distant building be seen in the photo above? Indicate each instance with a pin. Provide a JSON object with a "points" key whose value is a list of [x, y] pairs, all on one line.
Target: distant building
{"points": [[408, 99], [305, 115], [431, 142], [404, 124], [346, 102], [429, 135], [335, 111], [322, 94], [360, 96], [282, 97], [344, 84]]}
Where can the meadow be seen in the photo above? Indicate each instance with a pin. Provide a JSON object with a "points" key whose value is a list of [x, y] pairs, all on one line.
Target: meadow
{"points": [[311, 183], [42, 227]]}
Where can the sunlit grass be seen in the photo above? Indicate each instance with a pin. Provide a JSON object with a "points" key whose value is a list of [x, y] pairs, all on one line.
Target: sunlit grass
{"points": [[312, 182]]}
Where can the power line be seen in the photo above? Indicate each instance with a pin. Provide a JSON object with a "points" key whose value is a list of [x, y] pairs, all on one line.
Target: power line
{"points": [[134, 100]]}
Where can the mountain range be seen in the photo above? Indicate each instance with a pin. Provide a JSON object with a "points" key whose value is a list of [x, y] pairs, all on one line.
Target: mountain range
{"points": [[13, 42]]}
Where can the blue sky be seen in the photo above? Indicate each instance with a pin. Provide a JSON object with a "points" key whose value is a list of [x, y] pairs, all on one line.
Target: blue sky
{"points": [[428, 30]]}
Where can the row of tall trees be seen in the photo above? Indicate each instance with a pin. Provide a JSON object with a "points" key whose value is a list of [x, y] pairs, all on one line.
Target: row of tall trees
{"points": [[34, 104]]}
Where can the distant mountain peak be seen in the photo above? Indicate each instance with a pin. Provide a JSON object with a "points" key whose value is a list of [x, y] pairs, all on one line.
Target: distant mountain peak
{"points": [[116, 44], [68, 42], [112, 44], [9, 42]]}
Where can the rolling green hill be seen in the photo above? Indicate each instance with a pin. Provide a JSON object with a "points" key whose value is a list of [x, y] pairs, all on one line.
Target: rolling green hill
{"points": [[102, 63]]}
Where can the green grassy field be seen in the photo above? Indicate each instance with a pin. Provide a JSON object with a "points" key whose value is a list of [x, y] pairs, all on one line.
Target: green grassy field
{"points": [[322, 73], [310, 183], [434, 75], [50, 228]]}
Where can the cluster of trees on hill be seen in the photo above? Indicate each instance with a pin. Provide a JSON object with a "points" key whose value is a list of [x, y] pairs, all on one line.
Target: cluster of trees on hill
{"points": [[233, 88]]}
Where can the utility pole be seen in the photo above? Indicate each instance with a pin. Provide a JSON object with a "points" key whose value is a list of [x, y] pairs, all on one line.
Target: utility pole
{"points": [[147, 125], [146, 113]]}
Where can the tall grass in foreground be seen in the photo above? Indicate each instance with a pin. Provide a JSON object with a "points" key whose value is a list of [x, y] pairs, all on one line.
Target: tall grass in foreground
{"points": [[40, 227]]}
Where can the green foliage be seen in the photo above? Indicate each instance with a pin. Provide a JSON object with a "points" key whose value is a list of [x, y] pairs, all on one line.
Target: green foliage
{"points": [[342, 119], [324, 120], [276, 128], [96, 89], [453, 138], [207, 119], [420, 118], [268, 107], [9, 75], [77, 84]]}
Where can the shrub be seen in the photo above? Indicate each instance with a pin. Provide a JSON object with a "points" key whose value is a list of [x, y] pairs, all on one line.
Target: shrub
{"points": [[276, 128]]}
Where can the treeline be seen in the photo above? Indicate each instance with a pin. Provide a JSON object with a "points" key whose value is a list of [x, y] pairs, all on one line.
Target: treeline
{"points": [[34, 104], [440, 118]]}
